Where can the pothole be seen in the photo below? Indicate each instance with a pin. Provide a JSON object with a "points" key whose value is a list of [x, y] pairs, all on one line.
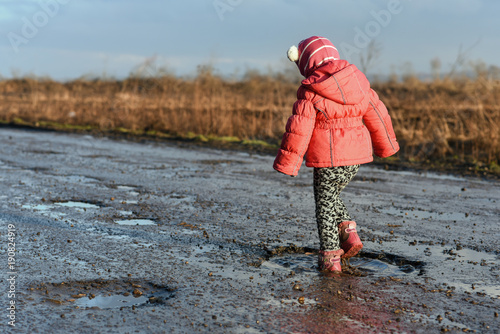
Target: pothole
{"points": [[101, 294], [305, 260]]}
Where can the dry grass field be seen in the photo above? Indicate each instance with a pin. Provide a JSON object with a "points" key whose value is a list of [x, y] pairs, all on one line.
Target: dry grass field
{"points": [[444, 120]]}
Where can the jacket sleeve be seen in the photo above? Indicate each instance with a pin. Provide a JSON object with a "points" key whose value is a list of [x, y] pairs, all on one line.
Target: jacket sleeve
{"points": [[296, 139], [378, 121]]}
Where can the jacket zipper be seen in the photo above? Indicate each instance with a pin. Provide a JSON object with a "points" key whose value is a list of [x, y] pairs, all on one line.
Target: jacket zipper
{"points": [[331, 137]]}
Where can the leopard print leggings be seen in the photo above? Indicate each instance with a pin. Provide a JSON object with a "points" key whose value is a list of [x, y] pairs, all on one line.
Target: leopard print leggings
{"points": [[330, 209]]}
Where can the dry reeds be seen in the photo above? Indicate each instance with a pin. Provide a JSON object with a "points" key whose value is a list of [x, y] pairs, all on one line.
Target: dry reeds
{"points": [[438, 120], [457, 119]]}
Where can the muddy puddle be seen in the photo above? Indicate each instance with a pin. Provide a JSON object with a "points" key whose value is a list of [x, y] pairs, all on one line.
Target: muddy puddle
{"points": [[68, 204], [136, 222], [53, 210], [101, 294], [365, 264], [115, 301], [78, 205]]}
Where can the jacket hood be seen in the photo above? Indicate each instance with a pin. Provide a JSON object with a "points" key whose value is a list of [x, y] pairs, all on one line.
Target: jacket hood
{"points": [[338, 81]]}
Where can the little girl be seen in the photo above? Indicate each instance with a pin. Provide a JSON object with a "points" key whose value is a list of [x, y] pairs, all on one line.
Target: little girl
{"points": [[338, 122]]}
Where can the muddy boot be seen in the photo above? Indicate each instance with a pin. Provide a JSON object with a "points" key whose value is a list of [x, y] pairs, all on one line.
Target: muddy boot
{"points": [[349, 239], [330, 260]]}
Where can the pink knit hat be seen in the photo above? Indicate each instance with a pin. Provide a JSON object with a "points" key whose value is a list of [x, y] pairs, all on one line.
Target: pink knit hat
{"points": [[312, 53]]}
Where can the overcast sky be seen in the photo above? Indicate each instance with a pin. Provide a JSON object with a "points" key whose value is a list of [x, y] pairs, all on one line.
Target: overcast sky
{"points": [[65, 39]]}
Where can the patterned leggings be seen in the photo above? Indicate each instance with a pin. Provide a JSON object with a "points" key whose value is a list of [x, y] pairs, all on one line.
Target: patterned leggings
{"points": [[330, 209]]}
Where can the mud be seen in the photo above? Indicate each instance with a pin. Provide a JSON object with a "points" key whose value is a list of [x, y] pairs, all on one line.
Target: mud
{"points": [[122, 237]]}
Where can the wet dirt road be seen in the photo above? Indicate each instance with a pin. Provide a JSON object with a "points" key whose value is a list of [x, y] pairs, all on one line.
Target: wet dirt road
{"points": [[125, 237]]}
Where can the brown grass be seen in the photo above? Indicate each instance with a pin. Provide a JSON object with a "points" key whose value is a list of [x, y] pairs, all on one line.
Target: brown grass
{"points": [[439, 120]]}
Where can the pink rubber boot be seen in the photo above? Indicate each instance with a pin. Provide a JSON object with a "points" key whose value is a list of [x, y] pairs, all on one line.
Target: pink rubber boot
{"points": [[330, 260], [349, 239]]}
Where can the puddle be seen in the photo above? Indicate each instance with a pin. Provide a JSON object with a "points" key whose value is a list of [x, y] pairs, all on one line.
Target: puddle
{"points": [[136, 222], [44, 210], [298, 263], [308, 263], [38, 207], [103, 294], [379, 268], [111, 301], [69, 204], [127, 188], [78, 205], [125, 213]]}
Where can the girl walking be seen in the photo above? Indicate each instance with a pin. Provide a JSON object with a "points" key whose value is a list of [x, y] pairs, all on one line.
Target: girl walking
{"points": [[337, 123]]}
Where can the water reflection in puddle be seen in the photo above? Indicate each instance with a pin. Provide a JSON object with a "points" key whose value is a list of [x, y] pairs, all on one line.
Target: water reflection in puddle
{"points": [[78, 205], [39, 207], [44, 210], [125, 213], [111, 301], [136, 222], [379, 268], [125, 188], [305, 263], [297, 262]]}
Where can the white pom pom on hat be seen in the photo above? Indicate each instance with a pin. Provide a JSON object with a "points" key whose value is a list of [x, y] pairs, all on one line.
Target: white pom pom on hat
{"points": [[293, 53]]}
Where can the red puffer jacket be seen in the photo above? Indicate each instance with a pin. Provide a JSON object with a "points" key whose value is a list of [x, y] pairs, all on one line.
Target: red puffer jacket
{"points": [[338, 120]]}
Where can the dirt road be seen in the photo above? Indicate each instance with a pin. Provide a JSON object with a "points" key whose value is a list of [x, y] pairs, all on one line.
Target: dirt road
{"points": [[126, 237]]}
